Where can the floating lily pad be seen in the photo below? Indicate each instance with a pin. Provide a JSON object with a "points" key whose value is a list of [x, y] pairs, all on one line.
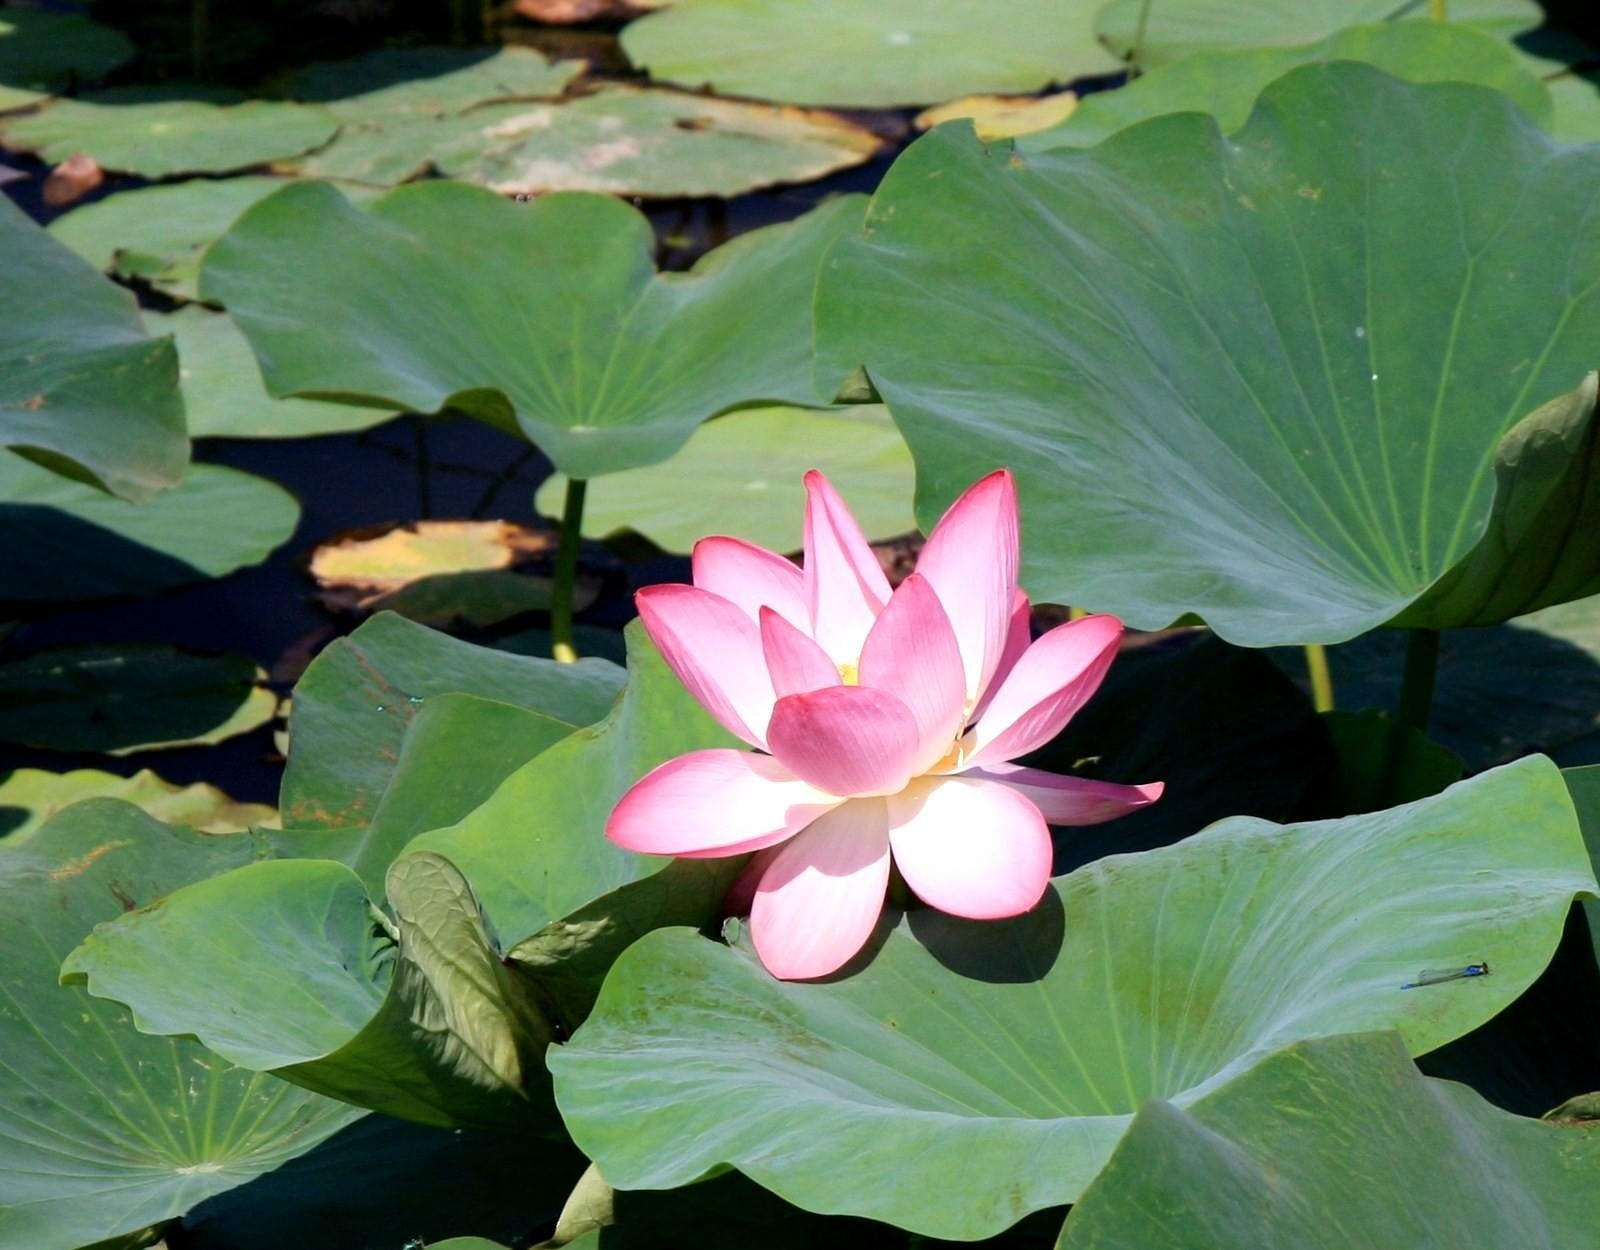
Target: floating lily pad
{"points": [[29, 797], [972, 1072], [1226, 84], [1175, 28], [139, 697], [106, 1131], [161, 233], [1299, 411], [223, 394], [157, 139], [566, 899], [284, 970], [67, 541], [1002, 116], [359, 699], [547, 317], [1402, 1159], [393, 104], [441, 572], [42, 52], [83, 385], [891, 53], [741, 475], [648, 142]]}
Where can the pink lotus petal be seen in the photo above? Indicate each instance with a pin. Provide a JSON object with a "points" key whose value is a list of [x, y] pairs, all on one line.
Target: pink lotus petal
{"points": [[713, 803], [912, 653], [1071, 800], [1052, 680], [752, 578], [972, 848], [971, 558], [795, 663], [845, 585], [847, 740], [821, 897], [1019, 637], [715, 649]]}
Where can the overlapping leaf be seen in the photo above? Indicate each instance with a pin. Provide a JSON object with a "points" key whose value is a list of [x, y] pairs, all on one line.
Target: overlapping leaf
{"points": [[82, 386], [1253, 377], [104, 1131], [1335, 1143], [68, 541], [29, 797], [43, 51], [893, 52], [741, 475], [974, 1072], [545, 317]]}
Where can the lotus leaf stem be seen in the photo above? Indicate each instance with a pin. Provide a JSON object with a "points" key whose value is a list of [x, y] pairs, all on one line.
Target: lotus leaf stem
{"points": [[561, 647], [1416, 686], [1136, 54], [1321, 677], [1439, 10]]}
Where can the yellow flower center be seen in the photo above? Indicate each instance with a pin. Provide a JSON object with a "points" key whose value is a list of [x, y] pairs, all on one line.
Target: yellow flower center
{"points": [[848, 674]]}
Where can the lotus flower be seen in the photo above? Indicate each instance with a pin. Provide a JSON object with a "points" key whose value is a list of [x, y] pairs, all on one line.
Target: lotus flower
{"points": [[884, 725]]}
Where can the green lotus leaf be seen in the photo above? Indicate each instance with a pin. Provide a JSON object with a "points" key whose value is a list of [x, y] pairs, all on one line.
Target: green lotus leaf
{"points": [[1250, 378], [68, 541], [357, 702], [160, 233], [287, 969], [1347, 1125], [41, 52], [29, 797], [1179, 27], [222, 389], [546, 317], [741, 475], [893, 52], [647, 142], [1226, 84], [136, 697], [997, 1064], [160, 138], [104, 1131], [566, 899], [1576, 97], [84, 389], [1584, 786]]}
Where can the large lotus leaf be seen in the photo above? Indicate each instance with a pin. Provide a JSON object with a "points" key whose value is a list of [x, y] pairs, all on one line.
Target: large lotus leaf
{"points": [[383, 1182], [428, 82], [157, 139], [104, 1131], [135, 697], [1251, 377], [357, 701], [1175, 28], [1335, 1143], [1576, 97], [647, 142], [287, 967], [567, 900], [80, 382], [68, 541], [222, 389], [893, 52], [42, 52], [998, 1063], [1226, 84], [29, 797], [741, 475], [160, 233], [546, 316]]}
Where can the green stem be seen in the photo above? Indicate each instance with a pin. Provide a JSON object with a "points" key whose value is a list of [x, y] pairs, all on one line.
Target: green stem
{"points": [[1137, 53], [1439, 10], [567, 572], [1321, 677], [1416, 687]]}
